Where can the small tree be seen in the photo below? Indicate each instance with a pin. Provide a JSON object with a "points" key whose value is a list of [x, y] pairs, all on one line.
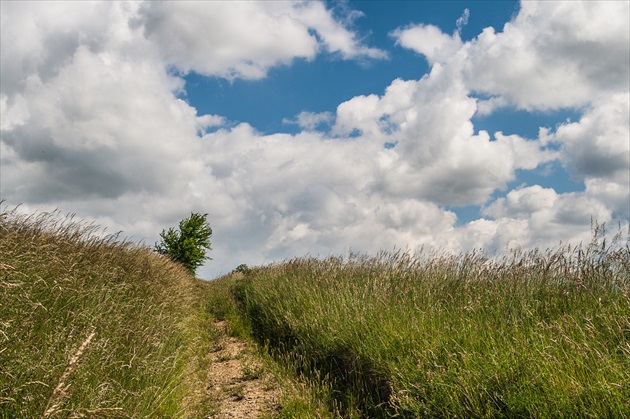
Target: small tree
{"points": [[243, 269], [187, 245]]}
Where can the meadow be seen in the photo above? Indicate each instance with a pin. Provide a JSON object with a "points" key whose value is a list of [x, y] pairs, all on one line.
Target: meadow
{"points": [[94, 326], [540, 334]]}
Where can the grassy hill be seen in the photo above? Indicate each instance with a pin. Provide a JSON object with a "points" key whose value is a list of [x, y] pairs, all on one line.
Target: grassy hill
{"points": [[94, 327], [537, 334]]}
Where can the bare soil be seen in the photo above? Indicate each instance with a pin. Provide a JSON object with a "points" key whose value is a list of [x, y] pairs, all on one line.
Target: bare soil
{"points": [[237, 380]]}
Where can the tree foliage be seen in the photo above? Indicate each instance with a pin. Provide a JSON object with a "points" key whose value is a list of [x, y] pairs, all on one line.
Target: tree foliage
{"points": [[243, 269], [189, 244]]}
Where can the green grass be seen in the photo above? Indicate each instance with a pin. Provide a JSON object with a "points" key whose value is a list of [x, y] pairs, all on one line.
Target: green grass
{"points": [[94, 327], [298, 397], [536, 334]]}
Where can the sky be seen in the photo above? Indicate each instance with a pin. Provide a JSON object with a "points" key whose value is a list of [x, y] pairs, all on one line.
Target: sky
{"points": [[320, 128]]}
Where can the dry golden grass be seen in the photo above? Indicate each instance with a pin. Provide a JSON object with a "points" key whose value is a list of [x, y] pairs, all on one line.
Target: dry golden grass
{"points": [[91, 326]]}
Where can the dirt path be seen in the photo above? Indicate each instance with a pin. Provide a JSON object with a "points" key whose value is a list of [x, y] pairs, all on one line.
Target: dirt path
{"points": [[237, 381]]}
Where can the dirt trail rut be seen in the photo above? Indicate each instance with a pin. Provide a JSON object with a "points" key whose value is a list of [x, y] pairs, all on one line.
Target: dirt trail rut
{"points": [[235, 377]]}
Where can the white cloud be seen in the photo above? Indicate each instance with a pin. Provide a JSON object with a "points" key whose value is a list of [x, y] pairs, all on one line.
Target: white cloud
{"points": [[438, 156], [92, 123], [310, 121], [245, 39], [552, 55], [462, 20], [547, 216], [14, 114], [614, 195], [596, 150], [598, 145], [429, 41], [359, 113], [209, 121], [522, 202], [334, 36], [104, 126]]}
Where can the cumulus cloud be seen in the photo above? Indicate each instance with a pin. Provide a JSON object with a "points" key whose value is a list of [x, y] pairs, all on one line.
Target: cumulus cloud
{"points": [[334, 36], [93, 122], [551, 55], [103, 127], [596, 150], [429, 41], [549, 216], [529, 68], [40, 37], [598, 146], [310, 121], [87, 100], [438, 156], [245, 39]]}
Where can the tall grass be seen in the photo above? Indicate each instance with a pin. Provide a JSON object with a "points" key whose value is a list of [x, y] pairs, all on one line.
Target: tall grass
{"points": [[542, 334], [91, 326]]}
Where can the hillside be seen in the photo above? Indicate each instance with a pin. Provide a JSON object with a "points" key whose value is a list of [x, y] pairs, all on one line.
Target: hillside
{"points": [[93, 326], [543, 334]]}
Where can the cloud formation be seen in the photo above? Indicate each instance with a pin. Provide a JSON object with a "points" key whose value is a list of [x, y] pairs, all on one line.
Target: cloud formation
{"points": [[94, 121], [245, 39]]}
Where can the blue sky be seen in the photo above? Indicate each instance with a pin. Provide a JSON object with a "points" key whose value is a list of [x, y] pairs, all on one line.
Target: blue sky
{"points": [[323, 83], [321, 127], [330, 80]]}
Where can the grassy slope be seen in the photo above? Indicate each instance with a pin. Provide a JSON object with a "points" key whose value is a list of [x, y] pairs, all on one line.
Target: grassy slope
{"points": [[98, 328], [535, 335], [95, 327], [298, 398]]}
